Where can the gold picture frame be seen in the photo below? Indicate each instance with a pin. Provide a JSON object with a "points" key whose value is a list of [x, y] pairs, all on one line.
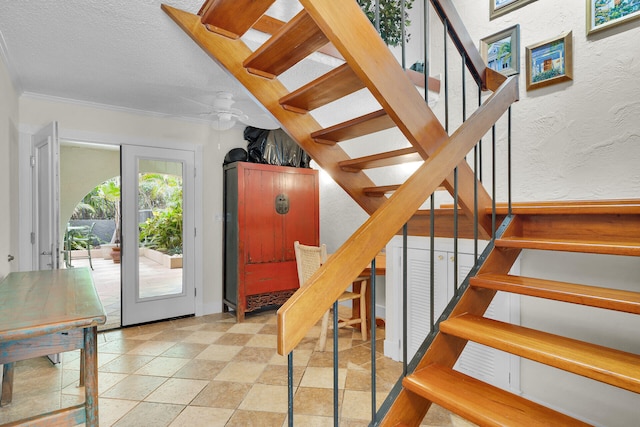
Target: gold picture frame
{"points": [[501, 7], [501, 51], [601, 15], [550, 62]]}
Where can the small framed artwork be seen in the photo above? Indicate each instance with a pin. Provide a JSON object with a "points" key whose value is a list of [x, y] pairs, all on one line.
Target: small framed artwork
{"points": [[500, 7], [550, 61], [501, 51], [603, 14]]}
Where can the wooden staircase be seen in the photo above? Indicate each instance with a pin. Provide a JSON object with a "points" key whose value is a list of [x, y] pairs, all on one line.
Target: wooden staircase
{"points": [[341, 28], [605, 227]]}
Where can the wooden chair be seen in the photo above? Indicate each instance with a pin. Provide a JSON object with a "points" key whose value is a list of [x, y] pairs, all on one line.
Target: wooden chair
{"points": [[308, 260]]}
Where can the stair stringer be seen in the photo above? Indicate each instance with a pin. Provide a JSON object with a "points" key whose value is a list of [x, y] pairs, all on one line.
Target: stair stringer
{"points": [[409, 409], [384, 78]]}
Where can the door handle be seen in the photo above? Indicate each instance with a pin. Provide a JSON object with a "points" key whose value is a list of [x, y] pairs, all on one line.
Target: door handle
{"points": [[46, 253]]}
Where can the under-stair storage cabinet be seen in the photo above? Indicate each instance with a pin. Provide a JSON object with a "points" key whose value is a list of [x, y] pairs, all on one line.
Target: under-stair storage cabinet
{"points": [[267, 208]]}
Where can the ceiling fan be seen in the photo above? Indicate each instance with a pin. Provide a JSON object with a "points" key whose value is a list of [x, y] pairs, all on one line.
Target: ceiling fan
{"points": [[223, 115]]}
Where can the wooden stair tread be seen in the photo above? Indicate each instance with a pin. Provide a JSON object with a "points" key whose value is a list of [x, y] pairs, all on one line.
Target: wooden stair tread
{"points": [[390, 158], [381, 190], [611, 299], [296, 40], [360, 126], [584, 207], [583, 246], [614, 367], [480, 402], [337, 83], [224, 17]]}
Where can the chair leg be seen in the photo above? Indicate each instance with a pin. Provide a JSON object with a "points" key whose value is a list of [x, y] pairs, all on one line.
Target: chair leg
{"points": [[323, 331], [89, 252], [364, 327]]}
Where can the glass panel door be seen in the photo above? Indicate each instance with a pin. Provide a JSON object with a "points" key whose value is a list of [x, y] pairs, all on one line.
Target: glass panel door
{"points": [[156, 249]]}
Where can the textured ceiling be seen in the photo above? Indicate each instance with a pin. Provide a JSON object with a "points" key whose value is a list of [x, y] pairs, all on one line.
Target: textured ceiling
{"points": [[121, 53]]}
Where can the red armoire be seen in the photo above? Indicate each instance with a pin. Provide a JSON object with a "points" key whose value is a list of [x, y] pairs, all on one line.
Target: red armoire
{"points": [[267, 208]]}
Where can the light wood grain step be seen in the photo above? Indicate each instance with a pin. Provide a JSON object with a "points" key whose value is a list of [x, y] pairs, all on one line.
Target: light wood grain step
{"points": [[614, 367], [337, 83], [296, 40], [360, 126], [390, 158], [610, 299], [582, 246], [232, 18], [582, 207], [481, 403]]}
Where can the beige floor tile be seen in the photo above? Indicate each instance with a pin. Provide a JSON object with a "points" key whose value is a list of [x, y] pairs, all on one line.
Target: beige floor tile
{"points": [[177, 390], [255, 355], [151, 348], [150, 414], [233, 339], [310, 421], [185, 350], [315, 401], [322, 377], [221, 394], [222, 353], [242, 372], [246, 328], [199, 416], [200, 369], [277, 375], [134, 387], [126, 364], [119, 346], [203, 337], [263, 340], [357, 404], [111, 410], [25, 406], [265, 398], [162, 366], [256, 419]]}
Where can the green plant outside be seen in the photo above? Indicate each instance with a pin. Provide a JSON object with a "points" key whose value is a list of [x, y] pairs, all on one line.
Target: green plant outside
{"points": [[390, 18], [163, 195]]}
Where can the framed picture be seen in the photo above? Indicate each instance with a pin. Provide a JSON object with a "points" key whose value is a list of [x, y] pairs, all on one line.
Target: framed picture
{"points": [[500, 7], [603, 14], [550, 62], [501, 51]]}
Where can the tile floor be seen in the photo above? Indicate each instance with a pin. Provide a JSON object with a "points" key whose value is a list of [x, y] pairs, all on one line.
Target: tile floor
{"points": [[211, 371]]}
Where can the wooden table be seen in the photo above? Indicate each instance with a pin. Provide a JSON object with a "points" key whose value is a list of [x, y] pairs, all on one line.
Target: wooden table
{"points": [[47, 312], [381, 268]]}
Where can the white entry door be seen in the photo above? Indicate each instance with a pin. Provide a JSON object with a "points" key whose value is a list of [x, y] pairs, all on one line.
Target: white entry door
{"points": [[46, 193], [157, 269]]}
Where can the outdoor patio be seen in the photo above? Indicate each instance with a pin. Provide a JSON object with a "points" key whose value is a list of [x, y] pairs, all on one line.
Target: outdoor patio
{"points": [[155, 279]]}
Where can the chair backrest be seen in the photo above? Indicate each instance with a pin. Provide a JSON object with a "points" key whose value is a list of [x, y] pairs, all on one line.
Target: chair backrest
{"points": [[308, 259]]}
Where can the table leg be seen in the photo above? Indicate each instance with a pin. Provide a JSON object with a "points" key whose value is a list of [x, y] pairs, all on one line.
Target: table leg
{"points": [[7, 384], [91, 376]]}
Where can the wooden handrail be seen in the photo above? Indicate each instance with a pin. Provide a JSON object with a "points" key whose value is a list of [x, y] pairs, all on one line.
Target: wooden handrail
{"points": [[488, 78], [314, 298]]}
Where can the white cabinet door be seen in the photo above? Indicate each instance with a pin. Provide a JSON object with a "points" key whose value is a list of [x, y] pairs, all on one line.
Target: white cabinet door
{"points": [[419, 295], [487, 364]]}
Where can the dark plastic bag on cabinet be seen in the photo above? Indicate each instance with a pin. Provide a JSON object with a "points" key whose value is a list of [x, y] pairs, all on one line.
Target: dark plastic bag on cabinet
{"points": [[274, 147]]}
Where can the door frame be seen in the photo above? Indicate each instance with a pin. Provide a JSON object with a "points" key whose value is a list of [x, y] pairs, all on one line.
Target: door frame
{"points": [[26, 193]]}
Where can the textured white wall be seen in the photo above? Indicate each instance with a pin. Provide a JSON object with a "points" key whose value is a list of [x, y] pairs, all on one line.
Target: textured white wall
{"points": [[8, 171]]}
